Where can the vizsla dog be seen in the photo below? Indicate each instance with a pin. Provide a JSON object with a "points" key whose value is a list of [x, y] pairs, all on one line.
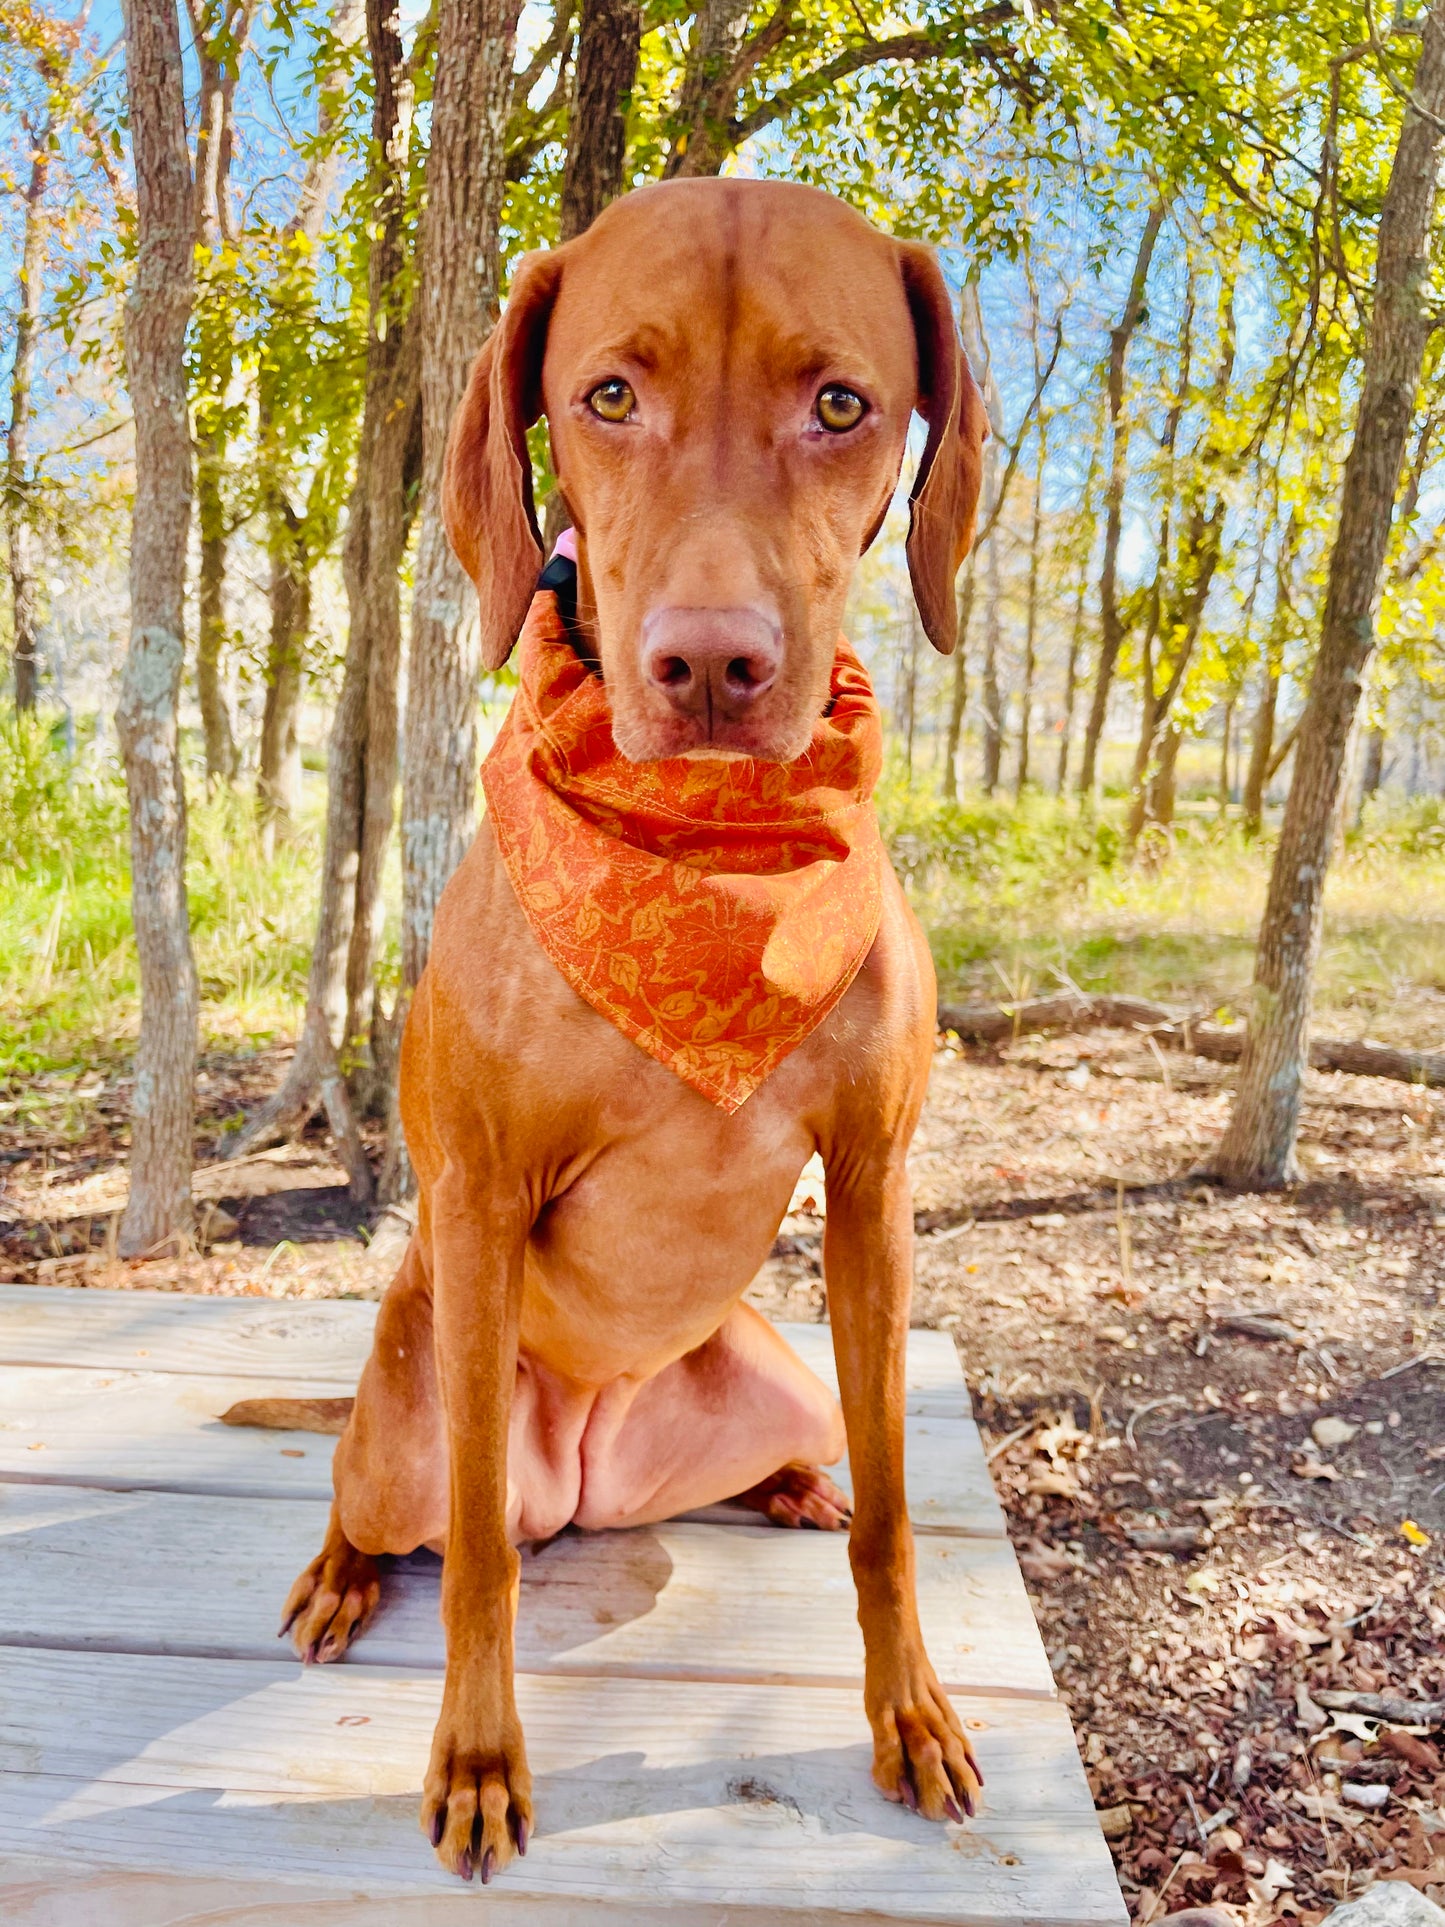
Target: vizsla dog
{"points": [[728, 370]]}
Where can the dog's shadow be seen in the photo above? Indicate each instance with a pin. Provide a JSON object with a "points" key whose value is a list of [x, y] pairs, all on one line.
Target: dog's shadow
{"points": [[578, 1590]]}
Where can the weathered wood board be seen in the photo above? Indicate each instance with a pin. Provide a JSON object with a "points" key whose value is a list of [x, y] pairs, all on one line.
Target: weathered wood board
{"points": [[122, 1430], [324, 1341], [171, 1573], [691, 1696], [718, 1803]]}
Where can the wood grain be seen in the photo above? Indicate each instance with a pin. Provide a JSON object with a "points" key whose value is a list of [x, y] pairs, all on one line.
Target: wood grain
{"points": [[724, 1803], [169, 1573], [123, 1430], [324, 1341]]}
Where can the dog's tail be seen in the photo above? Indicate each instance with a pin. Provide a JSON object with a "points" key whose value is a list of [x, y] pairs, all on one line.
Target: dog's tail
{"points": [[291, 1414]]}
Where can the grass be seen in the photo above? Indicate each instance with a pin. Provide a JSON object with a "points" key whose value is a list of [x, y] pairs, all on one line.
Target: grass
{"points": [[69, 994], [1016, 897], [1011, 896]]}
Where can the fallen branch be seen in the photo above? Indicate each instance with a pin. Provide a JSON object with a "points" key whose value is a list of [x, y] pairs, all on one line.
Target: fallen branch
{"points": [[1178, 1030], [1386, 1706]]}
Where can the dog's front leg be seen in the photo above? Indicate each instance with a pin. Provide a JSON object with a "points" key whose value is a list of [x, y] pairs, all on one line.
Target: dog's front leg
{"points": [[920, 1753], [477, 1802]]}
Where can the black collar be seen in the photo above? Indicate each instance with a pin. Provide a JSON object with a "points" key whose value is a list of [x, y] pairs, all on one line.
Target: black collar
{"points": [[560, 576]]}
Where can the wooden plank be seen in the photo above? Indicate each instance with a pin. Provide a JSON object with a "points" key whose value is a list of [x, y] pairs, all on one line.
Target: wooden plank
{"points": [[722, 1803], [124, 1430], [322, 1340], [168, 1573]]}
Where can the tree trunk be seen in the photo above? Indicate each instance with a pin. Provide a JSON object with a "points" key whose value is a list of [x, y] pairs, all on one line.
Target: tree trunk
{"points": [[958, 688], [457, 304], [278, 780], [992, 698], [220, 32], [1159, 795], [609, 37], [1260, 750], [704, 100], [157, 312], [221, 759], [20, 537], [1258, 1147], [362, 757], [1111, 625], [1031, 619], [1374, 769], [1071, 680], [1226, 744]]}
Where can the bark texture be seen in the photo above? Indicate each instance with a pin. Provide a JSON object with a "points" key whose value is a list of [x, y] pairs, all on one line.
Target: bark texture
{"points": [[20, 537], [222, 761], [278, 779], [457, 304], [609, 37], [958, 688], [1258, 1147], [220, 31], [158, 309], [362, 758], [1111, 621], [708, 95]]}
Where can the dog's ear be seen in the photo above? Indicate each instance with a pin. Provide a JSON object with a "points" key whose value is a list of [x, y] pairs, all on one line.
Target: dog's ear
{"points": [[487, 504], [943, 502]]}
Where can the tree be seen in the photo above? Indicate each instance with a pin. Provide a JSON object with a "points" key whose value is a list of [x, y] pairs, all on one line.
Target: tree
{"points": [[158, 310], [362, 754], [220, 30], [1111, 622], [457, 303], [1258, 1147], [608, 40], [54, 44]]}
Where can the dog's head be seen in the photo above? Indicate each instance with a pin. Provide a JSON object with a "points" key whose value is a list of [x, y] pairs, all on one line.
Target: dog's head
{"points": [[728, 370]]}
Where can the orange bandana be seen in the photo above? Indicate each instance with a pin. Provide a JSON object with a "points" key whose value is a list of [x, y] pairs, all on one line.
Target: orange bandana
{"points": [[714, 911]]}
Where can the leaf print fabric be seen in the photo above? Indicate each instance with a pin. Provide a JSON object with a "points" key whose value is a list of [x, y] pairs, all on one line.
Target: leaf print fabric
{"points": [[714, 911]]}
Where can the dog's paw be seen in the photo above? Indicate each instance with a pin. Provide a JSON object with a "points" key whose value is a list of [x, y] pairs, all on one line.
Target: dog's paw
{"points": [[477, 1804], [921, 1755], [799, 1495], [331, 1601]]}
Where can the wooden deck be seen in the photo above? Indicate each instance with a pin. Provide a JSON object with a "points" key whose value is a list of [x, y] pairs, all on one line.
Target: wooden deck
{"points": [[691, 1691]]}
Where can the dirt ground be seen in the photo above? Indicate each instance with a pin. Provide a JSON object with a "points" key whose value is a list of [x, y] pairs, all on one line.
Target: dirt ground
{"points": [[1217, 1422]]}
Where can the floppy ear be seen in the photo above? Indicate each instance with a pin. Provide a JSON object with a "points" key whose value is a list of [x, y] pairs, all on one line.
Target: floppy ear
{"points": [[943, 501], [487, 503]]}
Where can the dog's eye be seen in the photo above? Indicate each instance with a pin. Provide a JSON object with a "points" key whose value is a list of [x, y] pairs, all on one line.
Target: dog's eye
{"points": [[612, 400], [839, 409]]}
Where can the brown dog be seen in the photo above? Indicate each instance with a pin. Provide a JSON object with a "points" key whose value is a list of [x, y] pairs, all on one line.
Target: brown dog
{"points": [[728, 369]]}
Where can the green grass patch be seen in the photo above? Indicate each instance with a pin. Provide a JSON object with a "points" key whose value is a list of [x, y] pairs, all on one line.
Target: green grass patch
{"points": [[69, 992]]}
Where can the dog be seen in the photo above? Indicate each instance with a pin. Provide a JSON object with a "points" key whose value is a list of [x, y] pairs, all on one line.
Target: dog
{"points": [[728, 369]]}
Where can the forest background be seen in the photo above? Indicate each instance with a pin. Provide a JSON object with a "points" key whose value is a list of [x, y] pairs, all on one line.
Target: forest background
{"points": [[1162, 233], [1188, 755]]}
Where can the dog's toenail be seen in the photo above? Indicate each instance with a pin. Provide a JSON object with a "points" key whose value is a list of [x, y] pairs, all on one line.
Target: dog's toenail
{"points": [[489, 1860], [954, 1810], [438, 1823], [907, 1795], [464, 1865], [521, 1836]]}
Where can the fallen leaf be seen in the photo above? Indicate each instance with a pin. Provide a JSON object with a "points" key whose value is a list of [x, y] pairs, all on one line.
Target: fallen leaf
{"points": [[1418, 1754], [1409, 1530], [1115, 1822]]}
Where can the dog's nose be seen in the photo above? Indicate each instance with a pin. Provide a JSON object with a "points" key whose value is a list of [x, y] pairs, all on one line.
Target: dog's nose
{"points": [[711, 662]]}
